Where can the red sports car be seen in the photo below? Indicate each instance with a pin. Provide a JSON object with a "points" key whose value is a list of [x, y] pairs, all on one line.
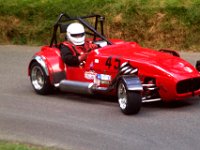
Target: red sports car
{"points": [[125, 69]]}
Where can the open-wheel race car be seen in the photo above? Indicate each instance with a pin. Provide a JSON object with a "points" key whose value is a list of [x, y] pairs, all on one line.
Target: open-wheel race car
{"points": [[124, 69]]}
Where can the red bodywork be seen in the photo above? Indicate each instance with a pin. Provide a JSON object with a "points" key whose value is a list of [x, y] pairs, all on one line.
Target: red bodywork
{"points": [[174, 78]]}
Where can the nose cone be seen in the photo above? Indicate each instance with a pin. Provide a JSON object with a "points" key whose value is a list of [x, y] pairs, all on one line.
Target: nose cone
{"points": [[178, 68]]}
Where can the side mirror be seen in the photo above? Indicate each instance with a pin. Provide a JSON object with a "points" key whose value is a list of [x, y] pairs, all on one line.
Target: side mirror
{"points": [[198, 65]]}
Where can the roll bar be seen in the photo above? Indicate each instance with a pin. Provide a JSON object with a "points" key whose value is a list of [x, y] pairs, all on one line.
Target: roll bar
{"points": [[64, 20]]}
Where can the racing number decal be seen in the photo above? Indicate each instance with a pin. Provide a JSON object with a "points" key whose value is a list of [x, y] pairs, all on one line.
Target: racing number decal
{"points": [[115, 64], [108, 62]]}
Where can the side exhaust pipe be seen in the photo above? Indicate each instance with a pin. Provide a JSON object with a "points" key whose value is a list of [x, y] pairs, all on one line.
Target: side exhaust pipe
{"points": [[76, 87]]}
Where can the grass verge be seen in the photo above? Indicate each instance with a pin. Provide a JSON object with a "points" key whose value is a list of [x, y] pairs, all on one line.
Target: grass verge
{"points": [[5, 145]]}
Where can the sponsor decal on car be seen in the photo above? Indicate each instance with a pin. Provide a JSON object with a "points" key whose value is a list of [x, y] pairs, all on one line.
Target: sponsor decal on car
{"points": [[90, 75], [102, 79]]}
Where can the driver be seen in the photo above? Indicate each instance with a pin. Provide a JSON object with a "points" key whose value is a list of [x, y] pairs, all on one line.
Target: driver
{"points": [[75, 49]]}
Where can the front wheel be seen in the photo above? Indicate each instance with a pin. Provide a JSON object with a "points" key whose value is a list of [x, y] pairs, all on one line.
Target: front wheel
{"points": [[39, 80], [129, 101]]}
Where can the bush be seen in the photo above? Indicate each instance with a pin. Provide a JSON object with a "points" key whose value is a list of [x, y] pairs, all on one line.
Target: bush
{"points": [[160, 23]]}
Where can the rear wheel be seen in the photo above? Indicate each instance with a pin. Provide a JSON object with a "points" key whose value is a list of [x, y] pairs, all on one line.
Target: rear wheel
{"points": [[39, 79], [129, 101]]}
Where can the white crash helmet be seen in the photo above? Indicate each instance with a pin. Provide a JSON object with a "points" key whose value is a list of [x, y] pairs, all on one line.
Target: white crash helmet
{"points": [[76, 33]]}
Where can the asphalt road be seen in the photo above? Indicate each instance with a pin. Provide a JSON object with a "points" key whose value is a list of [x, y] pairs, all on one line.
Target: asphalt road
{"points": [[75, 122]]}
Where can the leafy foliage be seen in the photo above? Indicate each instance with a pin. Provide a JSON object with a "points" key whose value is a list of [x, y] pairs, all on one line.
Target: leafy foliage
{"points": [[153, 23]]}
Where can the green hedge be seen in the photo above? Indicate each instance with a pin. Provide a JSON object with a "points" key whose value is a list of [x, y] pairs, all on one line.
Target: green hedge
{"points": [[171, 24]]}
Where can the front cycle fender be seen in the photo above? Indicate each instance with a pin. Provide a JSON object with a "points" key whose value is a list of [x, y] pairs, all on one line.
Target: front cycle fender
{"points": [[132, 82]]}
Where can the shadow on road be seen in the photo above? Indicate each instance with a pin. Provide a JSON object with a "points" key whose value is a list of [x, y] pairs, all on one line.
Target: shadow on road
{"points": [[105, 100], [173, 104], [84, 98]]}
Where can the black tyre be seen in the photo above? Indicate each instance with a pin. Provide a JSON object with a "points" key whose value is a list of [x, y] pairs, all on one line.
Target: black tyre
{"points": [[39, 80], [129, 101]]}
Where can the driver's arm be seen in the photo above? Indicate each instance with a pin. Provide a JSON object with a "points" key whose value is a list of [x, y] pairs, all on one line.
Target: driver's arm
{"points": [[68, 57]]}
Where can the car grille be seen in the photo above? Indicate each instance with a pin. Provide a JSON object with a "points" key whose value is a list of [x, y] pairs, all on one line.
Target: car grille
{"points": [[189, 85]]}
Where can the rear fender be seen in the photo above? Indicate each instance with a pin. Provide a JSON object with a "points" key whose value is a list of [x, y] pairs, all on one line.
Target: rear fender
{"points": [[169, 51], [132, 83], [41, 61], [55, 73]]}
